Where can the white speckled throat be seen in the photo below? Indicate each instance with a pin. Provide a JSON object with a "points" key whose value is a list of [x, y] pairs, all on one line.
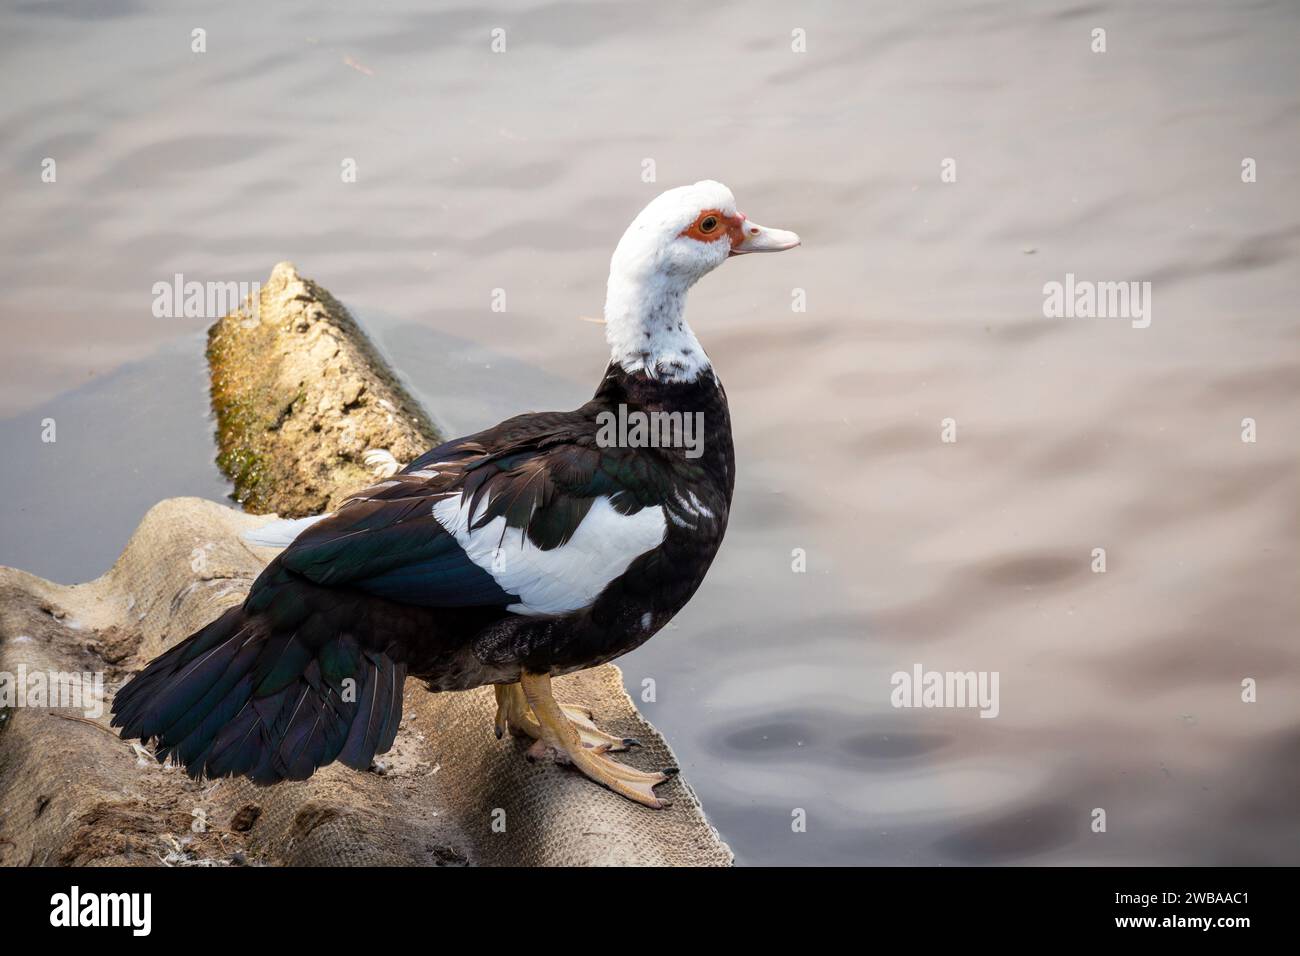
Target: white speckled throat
{"points": [[655, 265]]}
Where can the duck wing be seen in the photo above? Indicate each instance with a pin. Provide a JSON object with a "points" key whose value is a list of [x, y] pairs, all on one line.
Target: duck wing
{"points": [[532, 516]]}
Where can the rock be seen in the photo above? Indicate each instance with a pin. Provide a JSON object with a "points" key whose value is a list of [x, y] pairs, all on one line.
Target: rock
{"points": [[300, 397]]}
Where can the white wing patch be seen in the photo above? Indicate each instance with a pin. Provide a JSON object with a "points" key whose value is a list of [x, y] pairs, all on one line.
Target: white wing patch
{"points": [[563, 579]]}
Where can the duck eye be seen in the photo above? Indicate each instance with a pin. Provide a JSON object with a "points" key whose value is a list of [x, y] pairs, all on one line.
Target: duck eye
{"points": [[708, 223]]}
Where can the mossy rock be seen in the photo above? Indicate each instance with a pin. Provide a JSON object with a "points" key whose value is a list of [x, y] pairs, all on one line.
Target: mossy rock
{"points": [[301, 397]]}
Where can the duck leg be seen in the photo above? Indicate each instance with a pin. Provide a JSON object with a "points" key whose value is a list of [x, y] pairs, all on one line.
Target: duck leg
{"points": [[559, 733], [515, 715]]}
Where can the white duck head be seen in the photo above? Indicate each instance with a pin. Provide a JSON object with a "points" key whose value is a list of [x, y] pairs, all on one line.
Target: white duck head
{"points": [[681, 236]]}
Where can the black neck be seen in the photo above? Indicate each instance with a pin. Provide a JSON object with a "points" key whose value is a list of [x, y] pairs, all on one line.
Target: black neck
{"points": [[639, 392]]}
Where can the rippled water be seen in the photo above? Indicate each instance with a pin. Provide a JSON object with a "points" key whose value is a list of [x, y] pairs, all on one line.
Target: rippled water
{"points": [[519, 171]]}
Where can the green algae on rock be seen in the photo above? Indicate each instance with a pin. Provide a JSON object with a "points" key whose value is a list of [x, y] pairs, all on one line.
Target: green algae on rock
{"points": [[301, 397]]}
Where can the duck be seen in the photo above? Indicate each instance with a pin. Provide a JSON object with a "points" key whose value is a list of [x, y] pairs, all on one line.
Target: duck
{"points": [[547, 544]]}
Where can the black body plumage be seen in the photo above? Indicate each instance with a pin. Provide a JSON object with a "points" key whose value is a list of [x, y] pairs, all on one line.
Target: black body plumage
{"points": [[310, 668]]}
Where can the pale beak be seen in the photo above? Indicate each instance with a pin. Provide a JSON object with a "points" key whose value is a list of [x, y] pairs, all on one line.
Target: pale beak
{"points": [[756, 238]]}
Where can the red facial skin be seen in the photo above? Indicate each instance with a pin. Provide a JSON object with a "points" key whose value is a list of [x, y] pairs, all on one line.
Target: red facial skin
{"points": [[733, 227]]}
